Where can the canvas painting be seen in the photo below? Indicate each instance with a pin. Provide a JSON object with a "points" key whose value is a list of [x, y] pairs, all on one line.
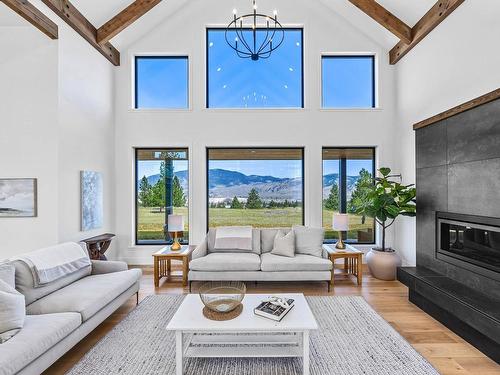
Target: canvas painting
{"points": [[18, 197], [92, 200]]}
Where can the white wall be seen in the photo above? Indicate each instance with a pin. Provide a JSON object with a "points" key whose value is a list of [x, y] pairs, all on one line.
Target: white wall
{"points": [[184, 32], [56, 119], [457, 62], [28, 132]]}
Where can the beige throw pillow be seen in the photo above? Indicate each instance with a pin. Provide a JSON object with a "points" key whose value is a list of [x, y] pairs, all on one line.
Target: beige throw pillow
{"points": [[12, 311], [284, 244]]}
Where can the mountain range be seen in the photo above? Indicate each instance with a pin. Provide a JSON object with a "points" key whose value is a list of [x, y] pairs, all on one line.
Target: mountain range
{"points": [[225, 184]]}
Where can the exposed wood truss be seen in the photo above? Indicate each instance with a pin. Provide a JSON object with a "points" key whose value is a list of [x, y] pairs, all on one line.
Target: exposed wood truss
{"points": [[71, 15], [486, 98], [124, 19], [436, 15], [34, 16], [385, 18]]}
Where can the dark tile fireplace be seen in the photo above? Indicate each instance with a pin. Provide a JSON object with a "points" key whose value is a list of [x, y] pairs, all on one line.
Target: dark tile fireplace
{"points": [[457, 275]]}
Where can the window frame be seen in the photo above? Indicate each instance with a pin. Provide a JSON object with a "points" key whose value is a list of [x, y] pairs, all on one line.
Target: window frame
{"points": [[207, 161], [136, 192], [343, 190], [159, 56], [207, 101], [350, 55]]}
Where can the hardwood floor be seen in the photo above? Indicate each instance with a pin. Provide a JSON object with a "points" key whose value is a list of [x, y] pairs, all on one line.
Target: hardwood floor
{"points": [[446, 351]]}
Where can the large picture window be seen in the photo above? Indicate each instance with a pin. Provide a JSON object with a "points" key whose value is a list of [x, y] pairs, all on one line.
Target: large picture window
{"points": [[161, 82], [348, 81], [345, 172], [162, 183], [261, 187], [234, 82]]}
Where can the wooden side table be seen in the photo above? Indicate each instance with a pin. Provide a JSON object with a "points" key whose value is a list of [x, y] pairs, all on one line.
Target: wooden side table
{"points": [[162, 263], [353, 261]]}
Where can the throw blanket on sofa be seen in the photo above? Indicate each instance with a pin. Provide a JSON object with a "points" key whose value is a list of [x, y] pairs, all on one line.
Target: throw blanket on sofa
{"points": [[52, 263], [234, 238]]}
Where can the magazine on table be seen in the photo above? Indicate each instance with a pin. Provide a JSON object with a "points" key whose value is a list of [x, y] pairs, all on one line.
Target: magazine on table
{"points": [[274, 308]]}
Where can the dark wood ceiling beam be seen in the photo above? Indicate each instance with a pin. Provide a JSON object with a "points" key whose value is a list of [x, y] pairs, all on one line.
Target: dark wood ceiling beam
{"points": [[124, 19], [436, 15], [34, 16], [71, 15], [385, 18]]}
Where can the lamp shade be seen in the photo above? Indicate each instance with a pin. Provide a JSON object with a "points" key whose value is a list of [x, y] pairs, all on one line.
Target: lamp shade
{"points": [[175, 223], [340, 222]]}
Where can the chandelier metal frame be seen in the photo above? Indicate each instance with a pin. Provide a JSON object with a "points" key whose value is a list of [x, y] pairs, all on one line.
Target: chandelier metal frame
{"points": [[254, 49]]}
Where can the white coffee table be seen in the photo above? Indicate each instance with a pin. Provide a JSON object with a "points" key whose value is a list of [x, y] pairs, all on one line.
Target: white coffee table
{"points": [[197, 336]]}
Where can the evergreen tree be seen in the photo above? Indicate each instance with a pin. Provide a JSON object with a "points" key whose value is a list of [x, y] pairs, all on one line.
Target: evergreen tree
{"points": [[236, 204], [179, 199], [145, 192], [254, 201], [360, 193], [332, 202]]}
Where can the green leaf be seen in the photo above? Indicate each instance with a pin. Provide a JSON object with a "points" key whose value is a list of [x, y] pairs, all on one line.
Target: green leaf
{"points": [[385, 171]]}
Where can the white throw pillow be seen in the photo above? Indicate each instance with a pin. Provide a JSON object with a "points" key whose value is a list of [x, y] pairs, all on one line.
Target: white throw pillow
{"points": [[284, 244], [7, 273], [309, 240], [233, 238], [12, 311]]}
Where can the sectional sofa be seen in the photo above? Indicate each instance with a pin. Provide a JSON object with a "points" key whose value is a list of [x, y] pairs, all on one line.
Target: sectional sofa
{"points": [[63, 312], [211, 264]]}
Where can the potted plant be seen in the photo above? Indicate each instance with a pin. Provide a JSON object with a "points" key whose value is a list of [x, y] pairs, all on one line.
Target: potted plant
{"points": [[384, 200]]}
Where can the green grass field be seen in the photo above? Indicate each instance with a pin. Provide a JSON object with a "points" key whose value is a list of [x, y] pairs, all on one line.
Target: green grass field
{"points": [[151, 221]]}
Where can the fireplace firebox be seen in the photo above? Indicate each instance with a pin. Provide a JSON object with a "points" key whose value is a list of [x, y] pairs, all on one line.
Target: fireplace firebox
{"points": [[469, 241]]}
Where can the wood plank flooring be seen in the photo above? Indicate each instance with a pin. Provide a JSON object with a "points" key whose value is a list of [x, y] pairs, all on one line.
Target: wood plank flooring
{"points": [[446, 351]]}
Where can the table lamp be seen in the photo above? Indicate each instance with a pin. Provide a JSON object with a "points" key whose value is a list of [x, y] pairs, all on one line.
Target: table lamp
{"points": [[340, 222], [175, 225]]}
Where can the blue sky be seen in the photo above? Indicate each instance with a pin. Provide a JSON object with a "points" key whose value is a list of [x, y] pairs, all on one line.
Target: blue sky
{"points": [[236, 82], [151, 167], [353, 166], [347, 82]]}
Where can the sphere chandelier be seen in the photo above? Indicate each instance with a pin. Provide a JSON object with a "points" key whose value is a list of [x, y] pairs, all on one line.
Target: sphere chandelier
{"points": [[243, 34]]}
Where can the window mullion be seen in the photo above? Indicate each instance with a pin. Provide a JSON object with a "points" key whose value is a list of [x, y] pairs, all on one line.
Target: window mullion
{"points": [[343, 189]]}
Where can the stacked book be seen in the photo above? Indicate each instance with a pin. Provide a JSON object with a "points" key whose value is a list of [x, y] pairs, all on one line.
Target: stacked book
{"points": [[274, 308]]}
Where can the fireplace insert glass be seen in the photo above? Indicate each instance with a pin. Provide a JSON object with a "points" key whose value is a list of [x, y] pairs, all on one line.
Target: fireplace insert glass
{"points": [[473, 243]]}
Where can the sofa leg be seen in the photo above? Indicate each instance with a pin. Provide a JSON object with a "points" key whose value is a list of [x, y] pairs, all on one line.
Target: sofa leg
{"points": [[137, 298], [329, 286], [190, 282]]}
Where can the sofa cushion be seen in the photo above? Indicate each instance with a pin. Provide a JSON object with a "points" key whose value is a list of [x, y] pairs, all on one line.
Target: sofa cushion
{"points": [[284, 244], [26, 285], [300, 262], [226, 262], [211, 242], [8, 274], [12, 311], [88, 295], [234, 237], [39, 334], [309, 240], [267, 236]]}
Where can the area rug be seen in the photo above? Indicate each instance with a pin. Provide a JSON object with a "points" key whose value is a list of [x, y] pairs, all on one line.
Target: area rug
{"points": [[352, 339]]}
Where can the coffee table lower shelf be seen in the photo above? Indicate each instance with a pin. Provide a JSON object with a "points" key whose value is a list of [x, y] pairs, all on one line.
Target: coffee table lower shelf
{"points": [[242, 344]]}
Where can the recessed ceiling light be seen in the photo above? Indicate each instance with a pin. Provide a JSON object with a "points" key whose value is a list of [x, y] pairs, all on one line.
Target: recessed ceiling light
{"points": [[219, 69], [290, 69], [211, 44], [286, 86]]}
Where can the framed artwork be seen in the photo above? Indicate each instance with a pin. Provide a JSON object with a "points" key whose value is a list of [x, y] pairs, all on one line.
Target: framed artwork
{"points": [[18, 197], [91, 200]]}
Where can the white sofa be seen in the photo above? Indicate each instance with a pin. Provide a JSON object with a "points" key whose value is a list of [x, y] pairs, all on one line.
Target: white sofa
{"points": [[61, 313], [210, 264]]}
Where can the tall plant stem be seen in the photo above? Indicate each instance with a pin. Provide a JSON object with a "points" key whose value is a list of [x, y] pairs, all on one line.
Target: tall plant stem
{"points": [[383, 236]]}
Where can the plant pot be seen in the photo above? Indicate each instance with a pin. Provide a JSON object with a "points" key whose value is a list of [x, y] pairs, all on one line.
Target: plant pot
{"points": [[383, 264]]}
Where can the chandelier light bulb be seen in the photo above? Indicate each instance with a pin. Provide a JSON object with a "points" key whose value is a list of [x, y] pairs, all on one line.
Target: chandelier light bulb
{"points": [[275, 12], [235, 11]]}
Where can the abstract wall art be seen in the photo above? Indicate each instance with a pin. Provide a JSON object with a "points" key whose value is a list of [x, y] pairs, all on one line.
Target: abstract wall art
{"points": [[18, 197], [92, 200]]}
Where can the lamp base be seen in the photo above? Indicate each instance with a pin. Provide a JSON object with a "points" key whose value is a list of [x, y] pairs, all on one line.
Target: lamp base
{"points": [[176, 246], [340, 245]]}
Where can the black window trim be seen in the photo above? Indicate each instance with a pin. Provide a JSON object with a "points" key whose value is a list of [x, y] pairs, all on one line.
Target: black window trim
{"points": [[207, 160], [138, 242], [207, 103], [160, 57], [346, 56], [343, 190]]}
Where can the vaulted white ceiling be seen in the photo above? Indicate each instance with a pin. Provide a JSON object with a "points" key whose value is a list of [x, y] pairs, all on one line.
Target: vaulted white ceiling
{"points": [[98, 12]]}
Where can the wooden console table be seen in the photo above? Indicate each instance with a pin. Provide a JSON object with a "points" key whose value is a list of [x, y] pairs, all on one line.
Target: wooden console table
{"points": [[162, 263], [97, 246], [353, 261]]}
